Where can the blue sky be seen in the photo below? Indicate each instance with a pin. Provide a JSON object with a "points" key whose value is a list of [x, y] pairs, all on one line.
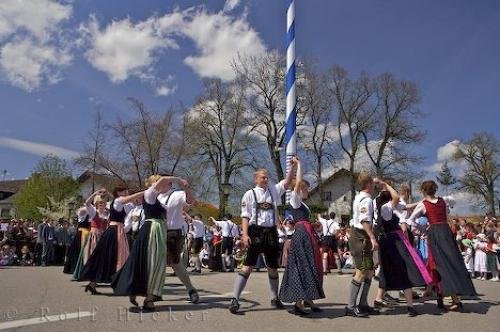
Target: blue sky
{"points": [[57, 62]]}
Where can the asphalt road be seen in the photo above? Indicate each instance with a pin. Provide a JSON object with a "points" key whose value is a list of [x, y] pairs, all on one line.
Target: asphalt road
{"points": [[44, 299]]}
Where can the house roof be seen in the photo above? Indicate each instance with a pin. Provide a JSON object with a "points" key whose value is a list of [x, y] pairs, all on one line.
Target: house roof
{"points": [[12, 186], [340, 173]]}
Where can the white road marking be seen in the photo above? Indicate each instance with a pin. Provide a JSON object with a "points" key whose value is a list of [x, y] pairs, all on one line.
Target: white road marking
{"points": [[44, 319], [230, 295]]}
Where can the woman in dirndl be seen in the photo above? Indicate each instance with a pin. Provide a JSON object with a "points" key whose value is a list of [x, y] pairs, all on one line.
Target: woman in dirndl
{"points": [[144, 271], [401, 268], [303, 278], [112, 249], [445, 263]]}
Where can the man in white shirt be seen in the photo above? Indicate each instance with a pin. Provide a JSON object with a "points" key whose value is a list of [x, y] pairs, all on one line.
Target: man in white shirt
{"points": [[229, 231], [330, 228], [259, 217], [197, 230], [362, 243]]}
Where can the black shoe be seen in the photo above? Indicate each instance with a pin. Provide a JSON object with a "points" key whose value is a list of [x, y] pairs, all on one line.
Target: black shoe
{"points": [[196, 271], [368, 310], [412, 312], [148, 306], [193, 296], [157, 298], [234, 306], [313, 307], [389, 298], [299, 311], [355, 312], [276, 303], [382, 305], [132, 299], [92, 290]]}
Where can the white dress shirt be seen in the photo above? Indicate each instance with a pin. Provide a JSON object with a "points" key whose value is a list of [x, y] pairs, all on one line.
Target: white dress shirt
{"points": [[197, 228], [249, 207], [362, 210], [174, 207]]}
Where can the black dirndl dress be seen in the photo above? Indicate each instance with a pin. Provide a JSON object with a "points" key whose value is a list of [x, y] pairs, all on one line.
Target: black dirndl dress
{"points": [[102, 264], [303, 277], [400, 266], [445, 262], [133, 278], [75, 247]]}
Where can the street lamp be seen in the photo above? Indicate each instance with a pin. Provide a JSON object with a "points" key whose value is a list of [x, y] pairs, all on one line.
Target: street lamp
{"points": [[71, 207], [226, 190]]}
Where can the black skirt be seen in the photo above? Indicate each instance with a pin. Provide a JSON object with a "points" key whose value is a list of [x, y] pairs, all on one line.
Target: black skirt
{"points": [[301, 280], [453, 277], [73, 253], [101, 265], [132, 279], [398, 270]]}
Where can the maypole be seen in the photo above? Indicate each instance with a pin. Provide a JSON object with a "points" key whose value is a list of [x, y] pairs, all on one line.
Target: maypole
{"points": [[291, 101]]}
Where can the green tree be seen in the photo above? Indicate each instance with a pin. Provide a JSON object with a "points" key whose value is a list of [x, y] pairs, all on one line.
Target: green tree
{"points": [[49, 185], [445, 177]]}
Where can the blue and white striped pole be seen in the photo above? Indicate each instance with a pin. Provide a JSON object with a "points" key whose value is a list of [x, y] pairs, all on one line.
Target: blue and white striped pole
{"points": [[291, 101]]}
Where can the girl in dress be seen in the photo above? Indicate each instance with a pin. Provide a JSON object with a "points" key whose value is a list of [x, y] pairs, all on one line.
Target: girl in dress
{"points": [[480, 261], [98, 216], [400, 266], [112, 249], [445, 262], [492, 258], [289, 229], [144, 271], [303, 278], [468, 253]]}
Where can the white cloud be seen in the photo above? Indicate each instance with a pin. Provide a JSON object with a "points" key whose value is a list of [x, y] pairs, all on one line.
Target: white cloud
{"points": [[230, 5], [219, 39], [27, 64], [447, 151], [444, 154], [164, 90], [32, 47], [38, 149], [37, 17], [123, 49]]}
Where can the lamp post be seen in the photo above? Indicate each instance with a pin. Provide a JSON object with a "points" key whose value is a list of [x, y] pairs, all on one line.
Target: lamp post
{"points": [[226, 190], [71, 207]]}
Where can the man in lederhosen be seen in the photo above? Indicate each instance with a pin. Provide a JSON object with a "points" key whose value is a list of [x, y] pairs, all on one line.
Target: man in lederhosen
{"points": [[229, 232], [259, 217], [362, 243]]}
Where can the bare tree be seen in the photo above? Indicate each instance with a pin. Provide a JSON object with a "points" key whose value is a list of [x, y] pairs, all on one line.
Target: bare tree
{"points": [[395, 129], [352, 101], [219, 125], [132, 149], [318, 132], [481, 156], [265, 98]]}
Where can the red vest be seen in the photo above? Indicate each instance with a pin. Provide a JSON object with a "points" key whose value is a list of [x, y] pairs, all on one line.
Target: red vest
{"points": [[436, 213], [98, 222]]}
